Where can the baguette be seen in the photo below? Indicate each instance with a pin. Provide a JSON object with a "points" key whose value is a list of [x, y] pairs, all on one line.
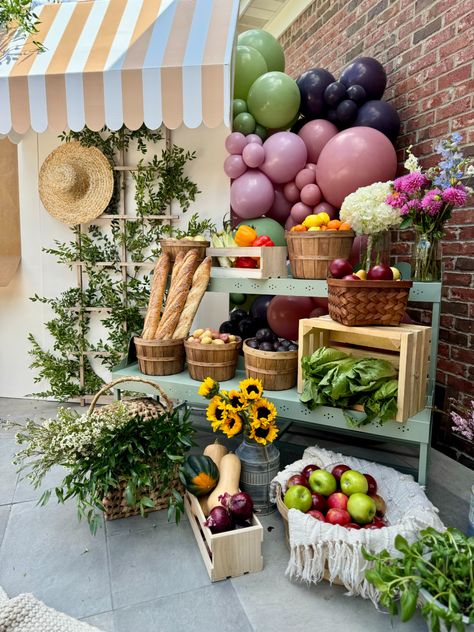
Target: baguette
{"points": [[178, 262], [181, 258], [200, 282], [177, 297], [155, 303]]}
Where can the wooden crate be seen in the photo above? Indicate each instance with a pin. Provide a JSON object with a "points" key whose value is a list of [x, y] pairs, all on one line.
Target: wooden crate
{"points": [[226, 554], [406, 347], [272, 262]]}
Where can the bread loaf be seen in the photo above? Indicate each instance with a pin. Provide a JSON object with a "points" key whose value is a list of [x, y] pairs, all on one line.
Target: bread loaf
{"points": [[200, 282], [178, 262], [155, 303]]}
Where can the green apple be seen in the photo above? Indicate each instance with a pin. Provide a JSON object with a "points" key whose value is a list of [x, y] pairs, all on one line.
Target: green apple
{"points": [[298, 497], [353, 482], [322, 482], [361, 508]]}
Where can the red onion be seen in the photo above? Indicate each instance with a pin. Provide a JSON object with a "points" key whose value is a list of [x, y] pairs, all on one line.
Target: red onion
{"points": [[240, 506], [219, 520]]}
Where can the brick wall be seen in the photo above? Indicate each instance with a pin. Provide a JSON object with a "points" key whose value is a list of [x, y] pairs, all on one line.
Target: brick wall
{"points": [[426, 48]]}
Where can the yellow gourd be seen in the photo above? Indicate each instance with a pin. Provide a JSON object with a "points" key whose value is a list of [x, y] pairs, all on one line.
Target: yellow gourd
{"points": [[215, 451], [229, 476]]}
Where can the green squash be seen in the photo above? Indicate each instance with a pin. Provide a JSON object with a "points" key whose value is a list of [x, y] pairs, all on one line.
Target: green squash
{"points": [[199, 474]]}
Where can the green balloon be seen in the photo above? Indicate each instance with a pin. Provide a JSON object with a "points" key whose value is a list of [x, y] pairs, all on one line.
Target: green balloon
{"points": [[249, 65], [244, 123], [261, 131], [269, 227], [238, 106], [237, 299], [274, 100], [267, 45]]}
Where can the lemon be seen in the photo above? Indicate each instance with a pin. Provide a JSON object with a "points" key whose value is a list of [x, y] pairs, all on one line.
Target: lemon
{"points": [[311, 220], [362, 274], [314, 228], [324, 218]]}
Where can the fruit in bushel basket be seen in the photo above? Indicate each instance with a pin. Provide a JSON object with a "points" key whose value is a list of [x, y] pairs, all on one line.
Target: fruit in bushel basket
{"points": [[338, 470], [351, 277], [362, 274], [316, 514], [265, 335], [372, 483], [351, 525], [298, 497], [361, 508], [338, 500], [297, 479], [380, 505], [381, 272], [338, 516], [319, 502], [211, 336], [353, 482], [307, 471], [199, 474], [339, 268], [396, 274], [322, 482]]}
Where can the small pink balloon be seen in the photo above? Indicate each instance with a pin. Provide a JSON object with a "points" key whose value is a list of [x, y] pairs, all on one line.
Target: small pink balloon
{"points": [[234, 166], [254, 138], [316, 134], [290, 222], [325, 207], [311, 165], [281, 208], [300, 211], [311, 194], [252, 194], [235, 143], [291, 192], [253, 155], [304, 177]]}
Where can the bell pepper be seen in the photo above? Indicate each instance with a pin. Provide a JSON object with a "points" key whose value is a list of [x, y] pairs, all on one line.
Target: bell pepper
{"points": [[245, 262], [245, 236], [263, 240]]}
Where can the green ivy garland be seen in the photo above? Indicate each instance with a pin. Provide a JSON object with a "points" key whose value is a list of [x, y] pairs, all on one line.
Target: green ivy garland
{"points": [[123, 298]]}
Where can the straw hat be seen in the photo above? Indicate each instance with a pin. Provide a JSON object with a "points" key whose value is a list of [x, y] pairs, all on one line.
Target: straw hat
{"points": [[76, 183]]}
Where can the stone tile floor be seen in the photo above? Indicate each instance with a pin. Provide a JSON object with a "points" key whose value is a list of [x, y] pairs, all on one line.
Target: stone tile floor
{"points": [[145, 575]]}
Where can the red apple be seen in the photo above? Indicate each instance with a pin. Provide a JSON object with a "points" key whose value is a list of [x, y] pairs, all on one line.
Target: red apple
{"points": [[380, 506], [338, 470], [380, 521], [373, 525], [351, 525], [297, 479], [382, 272], [306, 471], [340, 268], [320, 502], [338, 500], [351, 277], [338, 516], [372, 484], [316, 514]]}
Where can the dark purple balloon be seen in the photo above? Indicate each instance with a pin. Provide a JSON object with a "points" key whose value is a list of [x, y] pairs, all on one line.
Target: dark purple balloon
{"points": [[346, 112], [368, 73], [312, 85], [295, 128], [381, 116], [332, 117], [258, 309], [335, 93], [356, 93]]}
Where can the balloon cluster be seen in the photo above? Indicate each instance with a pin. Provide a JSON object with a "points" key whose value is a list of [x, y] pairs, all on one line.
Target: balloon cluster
{"points": [[353, 100]]}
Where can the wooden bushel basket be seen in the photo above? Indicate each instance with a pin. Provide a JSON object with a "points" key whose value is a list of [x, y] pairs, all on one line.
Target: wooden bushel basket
{"points": [[173, 246], [277, 370], [311, 252], [216, 361], [160, 357]]}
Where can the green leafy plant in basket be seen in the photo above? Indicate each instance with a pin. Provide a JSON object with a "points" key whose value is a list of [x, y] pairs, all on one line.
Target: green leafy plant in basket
{"points": [[437, 571], [109, 450]]}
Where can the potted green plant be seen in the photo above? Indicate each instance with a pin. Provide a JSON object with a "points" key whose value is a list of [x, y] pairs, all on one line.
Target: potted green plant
{"points": [[436, 572]]}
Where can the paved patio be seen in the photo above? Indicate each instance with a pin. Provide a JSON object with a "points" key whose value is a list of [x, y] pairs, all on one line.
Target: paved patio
{"points": [[145, 575]]}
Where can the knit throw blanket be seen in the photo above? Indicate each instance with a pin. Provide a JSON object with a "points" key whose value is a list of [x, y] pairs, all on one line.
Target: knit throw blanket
{"points": [[317, 548]]}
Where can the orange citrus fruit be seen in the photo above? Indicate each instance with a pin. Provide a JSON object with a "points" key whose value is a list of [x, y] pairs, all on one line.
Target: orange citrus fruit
{"points": [[334, 224], [345, 226]]}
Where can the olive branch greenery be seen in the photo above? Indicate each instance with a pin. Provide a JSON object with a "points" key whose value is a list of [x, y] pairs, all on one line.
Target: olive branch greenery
{"points": [[17, 15], [121, 298]]}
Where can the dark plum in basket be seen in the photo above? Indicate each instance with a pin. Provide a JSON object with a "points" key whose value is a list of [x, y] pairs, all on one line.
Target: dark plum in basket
{"points": [[252, 343], [246, 328], [292, 347], [265, 335], [266, 346], [228, 327]]}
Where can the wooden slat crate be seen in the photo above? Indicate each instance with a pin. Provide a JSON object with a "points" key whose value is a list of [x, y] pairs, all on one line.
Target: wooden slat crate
{"points": [[406, 347], [226, 554], [272, 262]]}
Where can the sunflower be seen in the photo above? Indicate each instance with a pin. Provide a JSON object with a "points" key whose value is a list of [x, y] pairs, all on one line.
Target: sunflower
{"points": [[208, 388], [236, 401], [217, 412], [263, 431], [262, 410], [232, 425], [251, 388]]}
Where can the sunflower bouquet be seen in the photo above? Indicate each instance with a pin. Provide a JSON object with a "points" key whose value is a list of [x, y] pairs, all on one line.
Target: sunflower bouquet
{"points": [[240, 411]]}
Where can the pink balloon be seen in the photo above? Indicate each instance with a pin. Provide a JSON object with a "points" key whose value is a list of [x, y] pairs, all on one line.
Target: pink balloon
{"points": [[253, 155], [311, 194], [304, 177], [281, 208], [285, 155], [315, 135], [310, 165], [290, 222], [291, 192], [359, 246], [284, 313], [234, 166], [235, 143], [300, 211], [354, 158], [254, 138], [324, 207], [252, 194]]}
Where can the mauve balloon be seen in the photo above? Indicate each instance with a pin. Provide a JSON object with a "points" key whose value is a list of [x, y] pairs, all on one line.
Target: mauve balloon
{"points": [[253, 155], [290, 222], [304, 177], [252, 194], [254, 138], [311, 194], [284, 313], [235, 143], [281, 208], [234, 166], [291, 192], [315, 135], [325, 207], [310, 165], [285, 155], [300, 211]]}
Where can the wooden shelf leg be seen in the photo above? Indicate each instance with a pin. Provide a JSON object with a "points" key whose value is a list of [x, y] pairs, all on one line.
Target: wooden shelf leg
{"points": [[423, 464]]}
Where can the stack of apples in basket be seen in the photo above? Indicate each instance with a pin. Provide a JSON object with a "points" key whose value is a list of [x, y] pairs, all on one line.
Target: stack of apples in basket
{"points": [[341, 496]]}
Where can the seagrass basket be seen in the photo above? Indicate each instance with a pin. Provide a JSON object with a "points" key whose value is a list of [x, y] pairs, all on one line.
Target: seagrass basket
{"points": [[356, 303], [173, 246], [277, 370], [114, 503], [216, 361], [311, 252]]}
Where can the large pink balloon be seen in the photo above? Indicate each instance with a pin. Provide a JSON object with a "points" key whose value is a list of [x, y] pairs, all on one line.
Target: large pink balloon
{"points": [[235, 143], [291, 192], [252, 194], [311, 194], [324, 207], [300, 212], [304, 177], [281, 208], [285, 155], [354, 158], [315, 135], [234, 166], [253, 155], [284, 313]]}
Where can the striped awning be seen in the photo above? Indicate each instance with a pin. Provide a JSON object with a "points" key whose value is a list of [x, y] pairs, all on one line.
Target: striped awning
{"points": [[115, 62]]}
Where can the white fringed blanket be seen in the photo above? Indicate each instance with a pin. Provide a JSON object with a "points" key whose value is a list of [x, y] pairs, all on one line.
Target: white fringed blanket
{"points": [[316, 547]]}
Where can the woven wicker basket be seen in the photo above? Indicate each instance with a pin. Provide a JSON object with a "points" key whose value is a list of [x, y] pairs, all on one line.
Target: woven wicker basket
{"points": [[173, 246], [115, 505], [311, 252], [353, 303]]}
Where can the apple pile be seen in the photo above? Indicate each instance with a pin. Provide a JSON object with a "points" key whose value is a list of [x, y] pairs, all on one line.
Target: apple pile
{"points": [[342, 496], [211, 337], [342, 269]]}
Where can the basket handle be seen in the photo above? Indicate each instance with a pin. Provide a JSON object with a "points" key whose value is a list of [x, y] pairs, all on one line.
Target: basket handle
{"points": [[131, 378]]}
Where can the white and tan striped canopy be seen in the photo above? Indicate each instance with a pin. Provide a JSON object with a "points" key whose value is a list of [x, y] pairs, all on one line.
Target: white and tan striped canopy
{"points": [[115, 62]]}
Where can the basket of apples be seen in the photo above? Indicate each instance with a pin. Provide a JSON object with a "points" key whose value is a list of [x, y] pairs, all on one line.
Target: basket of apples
{"points": [[212, 354], [376, 297]]}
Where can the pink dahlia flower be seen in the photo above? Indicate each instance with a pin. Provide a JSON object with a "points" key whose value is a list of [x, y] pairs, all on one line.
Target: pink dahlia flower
{"points": [[456, 196]]}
